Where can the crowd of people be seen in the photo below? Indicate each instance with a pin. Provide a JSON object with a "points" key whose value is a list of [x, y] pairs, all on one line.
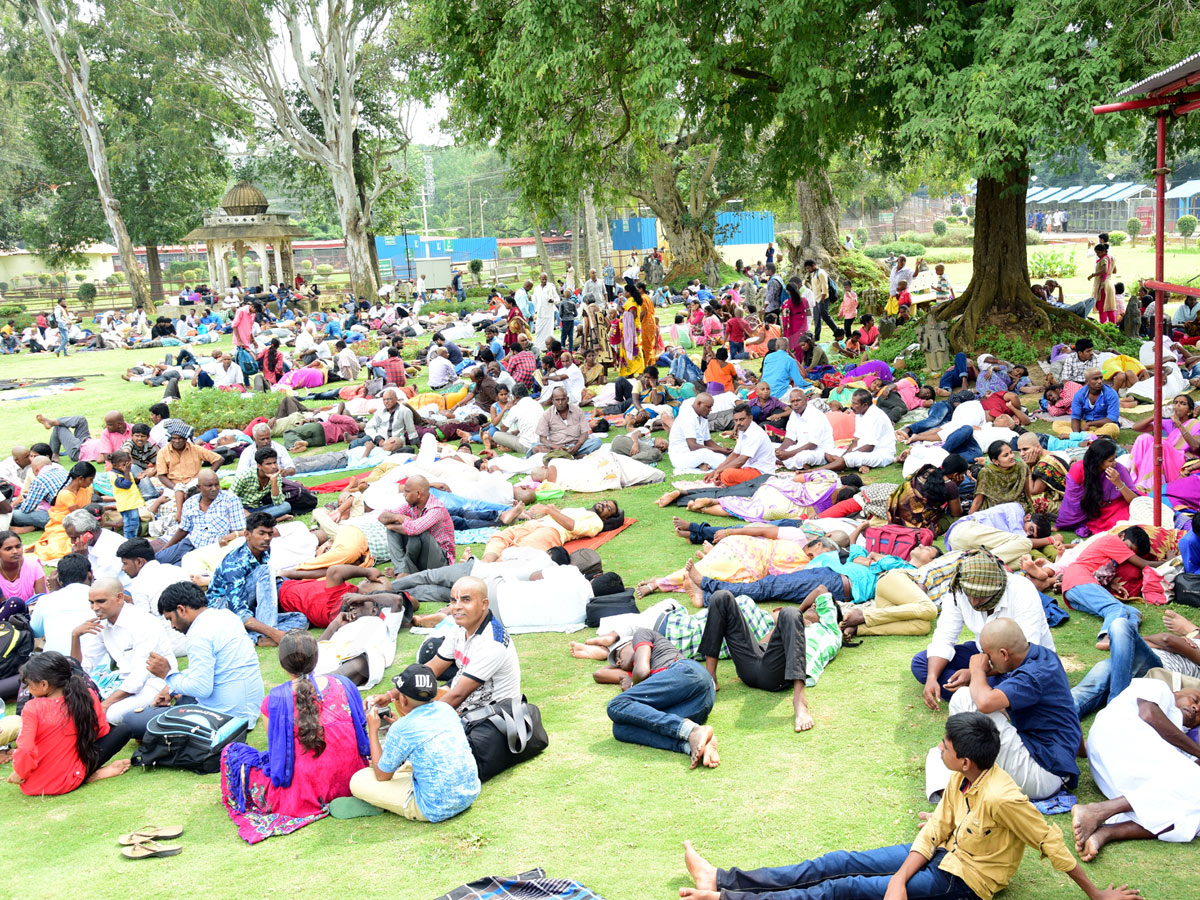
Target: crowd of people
{"points": [[159, 543]]}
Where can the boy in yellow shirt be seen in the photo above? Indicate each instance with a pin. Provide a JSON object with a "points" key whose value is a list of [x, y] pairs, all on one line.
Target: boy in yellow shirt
{"points": [[126, 493]]}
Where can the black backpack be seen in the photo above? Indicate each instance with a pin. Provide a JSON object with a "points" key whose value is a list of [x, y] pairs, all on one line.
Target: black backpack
{"points": [[835, 292], [16, 645], [609, 605], [189, 737]]}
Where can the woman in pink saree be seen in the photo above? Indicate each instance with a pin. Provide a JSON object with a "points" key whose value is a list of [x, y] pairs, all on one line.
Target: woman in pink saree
{"points": [[1180, 446], [794, 312], [310, 376]]}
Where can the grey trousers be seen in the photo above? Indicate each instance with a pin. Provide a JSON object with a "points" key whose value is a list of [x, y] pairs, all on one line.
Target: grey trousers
{"points": [[433, 585], [509, 441], [320, 462], [68, 436], [415, 552]]}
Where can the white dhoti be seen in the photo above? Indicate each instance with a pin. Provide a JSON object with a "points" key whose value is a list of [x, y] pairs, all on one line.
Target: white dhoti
{"points": [[543, 330], [117, 712], [1014, 758], [806, 459], [685, 461], [872, 460], [1128, 759]]}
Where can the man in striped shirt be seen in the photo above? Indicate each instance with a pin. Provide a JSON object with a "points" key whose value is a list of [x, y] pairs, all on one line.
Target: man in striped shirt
{"points": [[49, 479]]}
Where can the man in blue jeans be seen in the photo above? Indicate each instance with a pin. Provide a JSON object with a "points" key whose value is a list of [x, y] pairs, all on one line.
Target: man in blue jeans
{"points": [[1083, 592], [1132, 656], [953, 858], [664, 700]]}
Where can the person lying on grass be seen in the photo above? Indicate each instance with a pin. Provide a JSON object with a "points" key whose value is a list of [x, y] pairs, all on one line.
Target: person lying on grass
{"points": [[969, 848]]}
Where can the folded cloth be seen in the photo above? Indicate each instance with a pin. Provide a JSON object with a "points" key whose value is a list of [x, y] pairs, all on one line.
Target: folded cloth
{"points": [[533, 883], [1062, 802], [475, 535]]}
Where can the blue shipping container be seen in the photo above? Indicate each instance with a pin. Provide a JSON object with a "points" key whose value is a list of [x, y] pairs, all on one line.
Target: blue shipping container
{"points": [[460, 250], [635, 233], [745, 228]]}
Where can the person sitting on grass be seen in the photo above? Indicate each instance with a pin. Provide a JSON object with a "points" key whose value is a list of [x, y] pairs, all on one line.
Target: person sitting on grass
{"points": [[316, 740], [874, 443], [1142, 754], [753, 453], [664, 700], [1023, 688], [424, 770], [244, 583], [954, 856], [65, 739]]}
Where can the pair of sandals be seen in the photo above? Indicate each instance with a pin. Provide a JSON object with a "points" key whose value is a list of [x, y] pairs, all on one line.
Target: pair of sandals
{"points": [[144, 843]]}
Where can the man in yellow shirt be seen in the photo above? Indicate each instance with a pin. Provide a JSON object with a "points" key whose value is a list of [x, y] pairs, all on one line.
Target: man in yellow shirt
{"points": [[969, 849]]}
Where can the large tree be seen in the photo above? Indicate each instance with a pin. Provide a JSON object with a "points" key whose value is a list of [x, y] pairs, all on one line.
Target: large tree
{"points": [[336, 53]]}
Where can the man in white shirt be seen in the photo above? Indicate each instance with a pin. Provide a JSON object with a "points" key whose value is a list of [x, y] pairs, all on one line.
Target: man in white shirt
{"points": [[518, 428], [570, 379], [981, 590], [129, 636], [874, 443], [324, 352], [84, 531], [261, 435], [147, 580], [808, 435], [753, 453], [223, 373], [17, 467], [545, 302], [306, 345], [58, 613], [488, 668], [630, 275], [689, 443], [593, 289], [441, 370], [391, 427], [900, 272], [346, 362]]}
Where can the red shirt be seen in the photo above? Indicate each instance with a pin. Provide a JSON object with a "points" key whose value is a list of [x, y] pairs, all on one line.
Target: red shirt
{"points": [[393, 371], [45, 755], [313, 597], [994, 405], [869, 335], [735, 330], [904, 298], [1107, 548]]}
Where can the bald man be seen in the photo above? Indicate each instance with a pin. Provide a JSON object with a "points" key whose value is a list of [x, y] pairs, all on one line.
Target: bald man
{"points": [[1095, 409], [129, 636], [17, 467], [481, 648], [1023, 688], [420, 530], [70, 436]]}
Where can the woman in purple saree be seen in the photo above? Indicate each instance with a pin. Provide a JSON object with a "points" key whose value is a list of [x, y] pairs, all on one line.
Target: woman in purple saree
{"points": [[1099, 491]]}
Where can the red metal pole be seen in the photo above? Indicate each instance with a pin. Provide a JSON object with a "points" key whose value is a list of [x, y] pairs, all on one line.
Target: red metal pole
{"points": [[1160, 215], [1146, 103]]}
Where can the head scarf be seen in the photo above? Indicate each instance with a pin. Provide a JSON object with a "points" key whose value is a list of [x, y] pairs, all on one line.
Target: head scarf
{"points": [[997, 485], [980, 574], [179, 428]]}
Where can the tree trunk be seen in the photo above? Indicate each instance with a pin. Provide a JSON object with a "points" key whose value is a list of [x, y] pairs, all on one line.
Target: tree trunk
{"points": [[577, 243], [542, 255], [1000, 270], [354, 227], [691, 244], [154, 272], [593, 233], [819, 219], [77, 95]]}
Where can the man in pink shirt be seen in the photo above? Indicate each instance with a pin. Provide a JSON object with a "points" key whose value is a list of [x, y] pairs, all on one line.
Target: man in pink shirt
{"points": [[71, 437], [420, 531]]}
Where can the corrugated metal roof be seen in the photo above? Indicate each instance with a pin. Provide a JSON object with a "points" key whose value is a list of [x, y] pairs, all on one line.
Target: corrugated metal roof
{"points": [[1071, 194], [1187, 189], [1090, 193], [1127, 193], [1054, 197], [1181, 69], [1112, 190], [1038, 193]]}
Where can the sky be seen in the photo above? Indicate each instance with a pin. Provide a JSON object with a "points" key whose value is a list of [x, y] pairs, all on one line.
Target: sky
{"points": [[425, 123]]}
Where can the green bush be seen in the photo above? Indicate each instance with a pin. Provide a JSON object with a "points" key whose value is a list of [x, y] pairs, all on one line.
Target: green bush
{"points": [[9, 310], [949, 255], [1033, 238], [86, 294], [1133, 226], [1186, 226], [1116, 238], [908, 248], [970, 212], [956, 209], [939, 227], [217, 409], [43, 278], [863, 272], [861, 236], [1052, 264], [476, 268], [324, 270], [504, 253], [306, 265], [3, 287], [894, 345], [114, 278]]}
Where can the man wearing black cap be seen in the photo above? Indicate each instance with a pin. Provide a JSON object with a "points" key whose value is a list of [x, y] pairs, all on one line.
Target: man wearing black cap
{"points": [[424, 770]]}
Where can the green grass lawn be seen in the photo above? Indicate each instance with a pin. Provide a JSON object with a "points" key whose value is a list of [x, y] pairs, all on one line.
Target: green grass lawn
{"points": [[611, 815]]}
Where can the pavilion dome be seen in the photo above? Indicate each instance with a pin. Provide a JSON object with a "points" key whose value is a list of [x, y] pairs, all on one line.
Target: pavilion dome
{"points": [[244, 199]]}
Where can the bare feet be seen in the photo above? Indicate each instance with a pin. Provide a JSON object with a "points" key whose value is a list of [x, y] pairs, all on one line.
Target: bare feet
{"points": [[1103, 644], [804, 719], [5, 757], [680, 524], [684, 533], [712, 758], [1177, 624], [266, 641], [705, 548], [299, 447], [666, 499], [1085, 821], [697, 741], [649, 586], [47, 423], [510, 515], [578, 650], [112, 770], [703, 873]]}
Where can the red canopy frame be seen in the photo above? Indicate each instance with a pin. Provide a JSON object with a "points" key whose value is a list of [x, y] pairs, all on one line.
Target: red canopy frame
{"points": [[1169, 94]]}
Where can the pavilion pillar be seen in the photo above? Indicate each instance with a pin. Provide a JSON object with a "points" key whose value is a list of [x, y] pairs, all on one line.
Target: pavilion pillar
{"points": [[210, 252], [264, 263], [279, 264]]}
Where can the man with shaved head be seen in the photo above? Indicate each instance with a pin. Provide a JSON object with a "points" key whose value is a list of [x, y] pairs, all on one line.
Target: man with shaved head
{"points": [[17, 467], [690, 444], [1023, 688], [71, 437], [211, 516], [481, 648], [1095, 408], [420, 530], [129, 636]]}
